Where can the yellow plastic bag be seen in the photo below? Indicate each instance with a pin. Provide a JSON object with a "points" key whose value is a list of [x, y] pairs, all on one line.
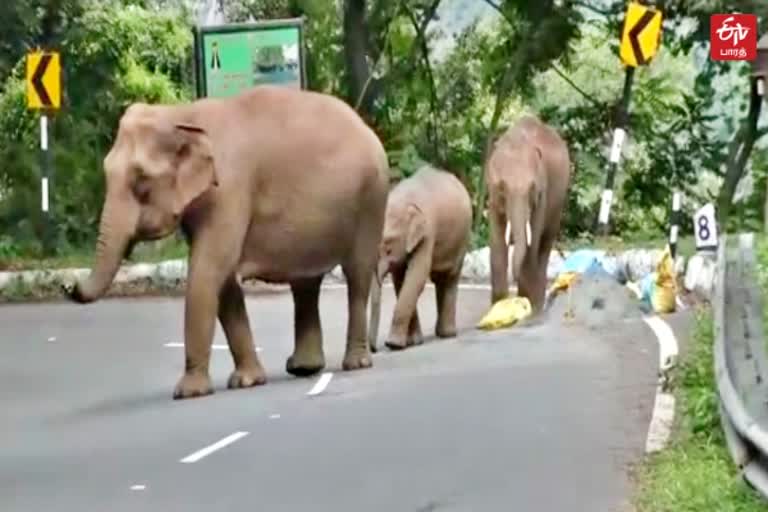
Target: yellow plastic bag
{"points": [[658, 290], [563, 281], [505, 313], [665, 289]]}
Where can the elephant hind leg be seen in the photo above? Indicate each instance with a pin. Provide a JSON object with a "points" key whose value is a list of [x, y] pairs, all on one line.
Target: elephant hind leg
{"points": [[415, 336], [358, 270], [446, 294], [234, 321], [307, 358]]}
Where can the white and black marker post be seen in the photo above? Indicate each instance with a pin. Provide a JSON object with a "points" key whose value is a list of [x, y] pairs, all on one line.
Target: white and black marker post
{"points": [[45, 162], [619, 135], [674, 224]]}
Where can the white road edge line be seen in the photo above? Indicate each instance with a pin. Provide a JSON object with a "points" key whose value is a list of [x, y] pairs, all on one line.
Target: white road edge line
{"points": [[218, 445], [663, 415], [321, 384], [215, 346]]}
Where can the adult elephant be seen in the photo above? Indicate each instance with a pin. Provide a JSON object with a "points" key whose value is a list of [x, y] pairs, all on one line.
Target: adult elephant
{"points": [[274, 184], [528, 177]]}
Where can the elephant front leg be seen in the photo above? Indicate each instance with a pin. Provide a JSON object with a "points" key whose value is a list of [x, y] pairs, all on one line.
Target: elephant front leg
{"points": [[446, 291], [537, 288], [405, 309], [234, 321], [201, 305], [308, 357], [499, 254]]}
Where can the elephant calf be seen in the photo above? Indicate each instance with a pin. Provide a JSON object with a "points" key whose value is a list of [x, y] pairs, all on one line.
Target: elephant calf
{"points": [[426, 234], [528, 176]]}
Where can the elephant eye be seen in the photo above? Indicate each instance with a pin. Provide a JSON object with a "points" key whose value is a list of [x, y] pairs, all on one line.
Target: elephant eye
{"points": [[142, 190]]}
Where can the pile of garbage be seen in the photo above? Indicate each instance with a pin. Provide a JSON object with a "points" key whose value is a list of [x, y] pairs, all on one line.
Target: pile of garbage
{"points": [[595, 289]]}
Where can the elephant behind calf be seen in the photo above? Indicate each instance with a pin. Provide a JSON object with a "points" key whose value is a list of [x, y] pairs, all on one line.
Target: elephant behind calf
{"points": [[426, 234], [528, 176], [274, 184]]}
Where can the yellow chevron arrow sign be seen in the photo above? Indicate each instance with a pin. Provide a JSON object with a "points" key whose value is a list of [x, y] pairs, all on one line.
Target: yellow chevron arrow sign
{"points": [[43, 80], [641, 35]]}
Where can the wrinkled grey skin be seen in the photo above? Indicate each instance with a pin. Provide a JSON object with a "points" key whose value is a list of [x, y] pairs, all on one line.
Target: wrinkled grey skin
{"points": [[528, 176], [426, 234]]}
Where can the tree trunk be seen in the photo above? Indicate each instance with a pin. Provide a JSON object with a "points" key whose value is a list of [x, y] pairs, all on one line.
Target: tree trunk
{"points": [[355, 53], [738, 155]]}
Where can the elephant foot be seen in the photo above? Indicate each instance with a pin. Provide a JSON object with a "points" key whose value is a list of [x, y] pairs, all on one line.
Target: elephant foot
{"points": [[445, 332], [304, 365], [357, 360], [247, 377], [414, 339], [193, 385], [397, 342]]}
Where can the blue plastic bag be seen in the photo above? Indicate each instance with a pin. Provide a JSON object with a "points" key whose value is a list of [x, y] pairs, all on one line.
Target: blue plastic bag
{"points": [[580, 261]]}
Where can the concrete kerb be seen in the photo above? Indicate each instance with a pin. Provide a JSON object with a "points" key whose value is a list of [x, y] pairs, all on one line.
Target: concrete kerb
{"points": [[168, 277]]}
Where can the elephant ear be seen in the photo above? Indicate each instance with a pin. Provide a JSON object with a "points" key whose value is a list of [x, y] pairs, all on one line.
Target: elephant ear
{"points": [[195, 169], [417, 228]]}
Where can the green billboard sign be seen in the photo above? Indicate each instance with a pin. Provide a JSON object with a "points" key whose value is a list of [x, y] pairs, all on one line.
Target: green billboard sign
{"points": [[234, 57]]}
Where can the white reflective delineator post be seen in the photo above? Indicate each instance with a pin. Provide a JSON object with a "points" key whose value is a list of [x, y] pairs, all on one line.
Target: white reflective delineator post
{"points": [[44, 148], [618, 141], [675, 223]]}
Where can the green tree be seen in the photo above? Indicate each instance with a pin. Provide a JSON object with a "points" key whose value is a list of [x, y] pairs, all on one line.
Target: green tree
{"points": [[112, 56]]}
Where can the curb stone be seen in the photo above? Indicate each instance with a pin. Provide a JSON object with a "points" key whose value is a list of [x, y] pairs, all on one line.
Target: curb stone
{"points": [[168, 277]]}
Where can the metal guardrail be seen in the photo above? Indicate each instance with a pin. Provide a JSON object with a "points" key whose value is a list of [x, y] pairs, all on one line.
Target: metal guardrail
{"points": [[741, 366]]}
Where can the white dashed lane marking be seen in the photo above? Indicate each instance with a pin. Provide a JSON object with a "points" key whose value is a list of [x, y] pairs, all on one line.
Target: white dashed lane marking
{"points": [[218, 445], [321, 384]]}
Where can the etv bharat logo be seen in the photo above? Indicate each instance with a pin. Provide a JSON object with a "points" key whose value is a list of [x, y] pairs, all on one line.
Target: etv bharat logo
{"points": [[733, 37]]}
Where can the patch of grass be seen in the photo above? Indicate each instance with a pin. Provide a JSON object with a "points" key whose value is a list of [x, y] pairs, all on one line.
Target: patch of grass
{"points": [[145, 252], [695, 473]]}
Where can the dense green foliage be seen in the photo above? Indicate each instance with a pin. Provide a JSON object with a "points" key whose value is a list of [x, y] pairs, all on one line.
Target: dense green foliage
{"points": [[428, 100]]}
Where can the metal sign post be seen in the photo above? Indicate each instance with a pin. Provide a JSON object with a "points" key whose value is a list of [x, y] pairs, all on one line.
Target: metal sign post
{"points": [[639, 42], [43, 81]]}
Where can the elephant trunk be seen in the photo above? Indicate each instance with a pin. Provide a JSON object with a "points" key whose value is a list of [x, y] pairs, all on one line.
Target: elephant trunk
{"points": [[519, 215], [115, 232], [373, 323]]}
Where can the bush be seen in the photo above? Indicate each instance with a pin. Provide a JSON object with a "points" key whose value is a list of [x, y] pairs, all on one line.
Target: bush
{"points": [[111, 57]]}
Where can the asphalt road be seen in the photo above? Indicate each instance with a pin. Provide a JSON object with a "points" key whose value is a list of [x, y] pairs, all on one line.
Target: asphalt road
{"points": [[538, 419]]}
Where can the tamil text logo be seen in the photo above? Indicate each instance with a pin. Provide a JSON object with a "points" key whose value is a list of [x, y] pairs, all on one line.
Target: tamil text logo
{"points": [[733, 37]]}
